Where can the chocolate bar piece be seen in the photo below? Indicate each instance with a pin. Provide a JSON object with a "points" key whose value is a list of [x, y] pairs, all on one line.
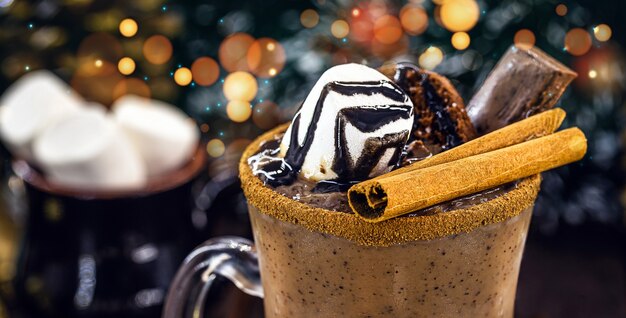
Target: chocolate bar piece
{"points": [[523, 83]]}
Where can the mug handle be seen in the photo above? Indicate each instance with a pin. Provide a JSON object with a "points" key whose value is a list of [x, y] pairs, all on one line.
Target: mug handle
{"points": [[232, 257]]}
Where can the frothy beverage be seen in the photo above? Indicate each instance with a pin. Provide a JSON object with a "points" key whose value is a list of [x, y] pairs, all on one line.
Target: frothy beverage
{"points": [[455, 255]]}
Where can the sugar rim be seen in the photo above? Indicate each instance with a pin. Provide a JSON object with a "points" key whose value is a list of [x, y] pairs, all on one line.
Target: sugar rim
{"points": [[395, 231]]}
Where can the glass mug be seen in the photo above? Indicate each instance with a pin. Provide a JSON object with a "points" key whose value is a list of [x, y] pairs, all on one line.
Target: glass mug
{"points": [[311, 262]]}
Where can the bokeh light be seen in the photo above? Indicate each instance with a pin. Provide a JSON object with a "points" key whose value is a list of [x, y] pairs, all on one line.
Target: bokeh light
{"points": [[233, 50], [215, 148], [266, 57], [266, 115], [241, 86], [524, 39], [205, 71], [126, 65], [183, 76], [204, 128], [414, 19], [561, 10], [593, 74], [431, 57], [387, 29], [460, 40], [602, 32], [238, 110], [309, 18], [96, 50], [340, 29], [459, 15], [577, 41], [157, 49], [128, 27], [132, 86]]}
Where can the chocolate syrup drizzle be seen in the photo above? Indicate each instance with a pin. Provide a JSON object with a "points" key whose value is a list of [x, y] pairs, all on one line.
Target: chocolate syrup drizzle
{"points": [[277, 171]]}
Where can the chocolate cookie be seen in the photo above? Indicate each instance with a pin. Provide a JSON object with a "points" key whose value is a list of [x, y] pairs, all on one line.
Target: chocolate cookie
{"points": [[440, 121]]}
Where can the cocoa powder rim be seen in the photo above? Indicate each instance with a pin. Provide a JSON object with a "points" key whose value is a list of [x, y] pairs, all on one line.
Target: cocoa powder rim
{"points": [[394, 231]]}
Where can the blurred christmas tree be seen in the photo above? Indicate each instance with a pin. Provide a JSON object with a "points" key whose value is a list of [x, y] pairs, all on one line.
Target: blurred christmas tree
{"points": [[239, 68]]}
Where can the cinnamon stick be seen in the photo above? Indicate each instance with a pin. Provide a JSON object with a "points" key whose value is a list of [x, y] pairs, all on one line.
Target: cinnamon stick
{"points": [[387, 196], [532, 127]]}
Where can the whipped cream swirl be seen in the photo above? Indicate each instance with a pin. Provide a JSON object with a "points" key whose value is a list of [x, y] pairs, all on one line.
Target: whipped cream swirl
{"points": [[352, 126]]}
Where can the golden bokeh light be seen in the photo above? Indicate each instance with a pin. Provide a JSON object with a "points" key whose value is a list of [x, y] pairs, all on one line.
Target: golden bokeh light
{"points": [[387, 29], [577, 41], [340, 29], [157, 49], [266, 115], [241, 86], [524, 39], [266, 57], [126, 65], [238, 111], [233, 50], [183, 76], [356, 12], [131, 86], [128, 27], [602, 32], [593, 74], [309, 18], [95, 51], [459, 15], [561, 10], [215, 148], [414, 19], [205, 71], [431, 57], [460, 40]]}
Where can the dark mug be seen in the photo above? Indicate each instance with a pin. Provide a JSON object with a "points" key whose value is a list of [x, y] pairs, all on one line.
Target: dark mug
{"points": [[95, 254]]}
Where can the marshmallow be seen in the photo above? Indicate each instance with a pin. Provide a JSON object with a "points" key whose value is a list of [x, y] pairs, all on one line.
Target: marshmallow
{"points": [[87, 150], [352, 126], [164, 135], [36, 101]]}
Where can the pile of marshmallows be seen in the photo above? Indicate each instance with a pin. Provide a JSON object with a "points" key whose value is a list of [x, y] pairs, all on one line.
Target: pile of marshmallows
{"points": [[81, 145]]}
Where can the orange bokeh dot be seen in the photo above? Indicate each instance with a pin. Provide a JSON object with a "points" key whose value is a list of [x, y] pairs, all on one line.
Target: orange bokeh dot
{"points": [[340, 29], [157, 49], [266, 57], [387, 29], [309, 18], [132, 86], [205, 71], [460, 40], [414, 19], [233, 50], [577, 41], [362, 29], [524, 39], [266, 115], [561, 10], [459, 15], [183, 76]]}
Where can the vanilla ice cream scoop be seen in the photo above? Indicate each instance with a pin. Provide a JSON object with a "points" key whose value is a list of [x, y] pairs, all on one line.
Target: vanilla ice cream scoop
{"points": [[352, 126]]}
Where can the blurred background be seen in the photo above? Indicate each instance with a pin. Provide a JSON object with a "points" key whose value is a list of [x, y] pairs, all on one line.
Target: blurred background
{"points": [[191, 53]]}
